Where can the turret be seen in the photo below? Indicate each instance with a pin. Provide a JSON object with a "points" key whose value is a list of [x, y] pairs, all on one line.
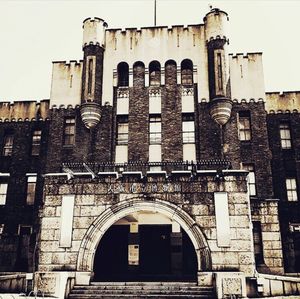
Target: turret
{"points": [[92, 74], [216, 23]]}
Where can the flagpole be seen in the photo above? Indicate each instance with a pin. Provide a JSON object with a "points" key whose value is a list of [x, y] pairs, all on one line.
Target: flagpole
{"points": [[154, 12]]}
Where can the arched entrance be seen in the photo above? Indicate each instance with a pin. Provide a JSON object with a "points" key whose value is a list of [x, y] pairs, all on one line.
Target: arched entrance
{"points": [[108, 220]]}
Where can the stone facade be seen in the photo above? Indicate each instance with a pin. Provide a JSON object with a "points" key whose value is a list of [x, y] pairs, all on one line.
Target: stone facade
{"points": [[233, 224]]}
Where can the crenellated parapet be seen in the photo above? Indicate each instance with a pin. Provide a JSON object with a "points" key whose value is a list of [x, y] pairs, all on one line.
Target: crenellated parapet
{"points": [[283, 102], [246, 76], [20, 111]]}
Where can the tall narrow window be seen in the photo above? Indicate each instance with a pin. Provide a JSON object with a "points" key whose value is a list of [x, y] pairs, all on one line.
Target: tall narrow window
{"points": [[258, 244], [122, 130], [3, 193], [291, 189], [187, 72], [285, 136], [123, 74], [36, 142], [31, 185], [90, 74], [8, 145], [154, 73], [69, 131], [155, 129], [188, 128], [219, 65], [244, 126], [251, 178]]}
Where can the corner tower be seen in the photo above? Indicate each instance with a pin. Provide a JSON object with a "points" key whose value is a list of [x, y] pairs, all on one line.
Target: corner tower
{"points": [[216, 23], [92, 74]]}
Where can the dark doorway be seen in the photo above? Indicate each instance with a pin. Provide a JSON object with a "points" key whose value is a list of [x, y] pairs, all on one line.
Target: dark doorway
{"points": [[155, 257], [111, 259], [155, 261]]}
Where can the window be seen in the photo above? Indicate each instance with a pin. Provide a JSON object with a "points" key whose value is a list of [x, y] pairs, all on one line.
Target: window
{"points": [[188, 128], [244, 126], [123, 74], [31, 184], [219, 65], [154, 73], [258, 244], [251, 178], [90, 75], [291, 189], [8, 145], [69, 131], [3, 193], [155, 129], [122, 130], [187, 72], [36, 142], [285, 136]]}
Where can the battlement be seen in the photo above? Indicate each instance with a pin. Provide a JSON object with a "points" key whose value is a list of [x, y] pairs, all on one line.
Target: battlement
{"points": [[153, 29], [24, 110], [283, 102], [69, 63], [245, 55]]}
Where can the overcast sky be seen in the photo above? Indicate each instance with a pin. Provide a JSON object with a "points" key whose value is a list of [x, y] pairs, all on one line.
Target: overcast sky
{"points": [[35, 33]]}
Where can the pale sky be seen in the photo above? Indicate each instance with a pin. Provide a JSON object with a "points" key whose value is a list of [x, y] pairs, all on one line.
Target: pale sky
{"points": [[35, 33]]}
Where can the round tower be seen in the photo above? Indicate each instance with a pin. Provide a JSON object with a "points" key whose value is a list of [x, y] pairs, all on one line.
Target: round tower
{"points": [[216, 24], [92, 73]]}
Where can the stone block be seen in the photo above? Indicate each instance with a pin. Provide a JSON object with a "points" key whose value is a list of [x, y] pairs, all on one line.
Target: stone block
{"points": [[239, 221], [82, 222], [53, 200], [225, 258], [48, 234], [206, 221], [199, 210], [243, 234], [45, 258], [50, 223], [66, 189], [276, 287], [49, 211], [78, 234], [230, 284], [246, 258], [241, 245], [270, 236], [85, 200]]}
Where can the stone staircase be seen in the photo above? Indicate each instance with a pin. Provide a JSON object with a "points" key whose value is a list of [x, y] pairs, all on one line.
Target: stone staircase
{"points": [[134, 290]]}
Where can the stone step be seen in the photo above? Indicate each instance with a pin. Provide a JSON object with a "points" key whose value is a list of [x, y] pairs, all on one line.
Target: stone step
{"points": [[142, 283], [159, 290], [145, 287], [131, 296]]}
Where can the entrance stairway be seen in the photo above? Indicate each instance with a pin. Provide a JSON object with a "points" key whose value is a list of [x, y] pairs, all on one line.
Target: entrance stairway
{"points": [[134, 290]]}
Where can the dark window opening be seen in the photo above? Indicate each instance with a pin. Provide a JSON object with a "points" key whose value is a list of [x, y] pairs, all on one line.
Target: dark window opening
{"points": [[187, 72], [244, 125], [258, 244], [123, 74], [154, 73], [36, 142], [69, 131], [122, 130], [8, 145]]}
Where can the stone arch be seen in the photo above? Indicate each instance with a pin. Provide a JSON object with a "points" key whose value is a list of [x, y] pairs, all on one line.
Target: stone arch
{"points": [[94, 234]]}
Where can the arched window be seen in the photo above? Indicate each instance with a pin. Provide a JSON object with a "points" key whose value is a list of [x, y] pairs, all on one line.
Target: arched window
{"points": [[171, 72], [123, 74], [154, 73], [187, 72], [138, 74]]}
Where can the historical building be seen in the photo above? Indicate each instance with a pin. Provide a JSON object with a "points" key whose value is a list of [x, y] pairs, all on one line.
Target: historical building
{"points": [[158, 158]]}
